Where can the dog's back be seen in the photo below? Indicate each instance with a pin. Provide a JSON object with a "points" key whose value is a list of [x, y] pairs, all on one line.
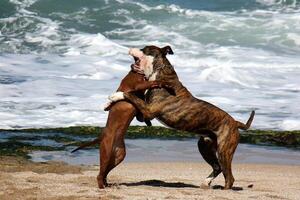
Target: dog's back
{"points": [[127, 84]]}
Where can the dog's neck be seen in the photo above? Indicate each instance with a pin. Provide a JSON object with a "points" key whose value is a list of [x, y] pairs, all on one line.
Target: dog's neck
{"points": [[167, 74]]}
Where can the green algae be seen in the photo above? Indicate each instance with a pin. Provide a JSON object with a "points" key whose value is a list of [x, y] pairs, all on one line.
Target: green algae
{"points": [[14, 147]]}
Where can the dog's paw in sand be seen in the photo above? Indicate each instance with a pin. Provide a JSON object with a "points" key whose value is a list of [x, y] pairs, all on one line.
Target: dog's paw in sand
{"points": [[117, 96]]}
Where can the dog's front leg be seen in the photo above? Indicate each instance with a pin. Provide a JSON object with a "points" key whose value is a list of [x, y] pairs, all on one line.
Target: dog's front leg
{"points": [[149, 111], [149, 85], [141, 86]]}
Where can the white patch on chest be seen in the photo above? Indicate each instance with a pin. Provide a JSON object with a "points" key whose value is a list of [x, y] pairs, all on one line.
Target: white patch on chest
{"points": [[151, 78]]}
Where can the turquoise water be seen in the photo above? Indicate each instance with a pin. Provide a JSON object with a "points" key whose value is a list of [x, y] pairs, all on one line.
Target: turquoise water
{"points": [[60, 59]]}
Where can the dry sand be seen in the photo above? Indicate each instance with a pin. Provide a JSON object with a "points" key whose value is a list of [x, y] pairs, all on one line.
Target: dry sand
{"points": [[21, 179]]}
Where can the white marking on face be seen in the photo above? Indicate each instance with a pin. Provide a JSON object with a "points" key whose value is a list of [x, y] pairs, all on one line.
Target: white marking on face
{"points": [[148, 66], [145, 62], [117, 96]]}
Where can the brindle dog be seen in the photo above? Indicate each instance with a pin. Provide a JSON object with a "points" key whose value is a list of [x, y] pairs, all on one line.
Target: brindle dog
{"points": [[218, 130]]}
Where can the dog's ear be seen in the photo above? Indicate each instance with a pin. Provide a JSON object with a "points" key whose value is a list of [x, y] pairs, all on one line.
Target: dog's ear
{"points": [[167, 50]]}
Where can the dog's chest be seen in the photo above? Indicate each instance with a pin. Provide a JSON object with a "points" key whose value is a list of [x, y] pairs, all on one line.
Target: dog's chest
{"points": [[147, 92]]}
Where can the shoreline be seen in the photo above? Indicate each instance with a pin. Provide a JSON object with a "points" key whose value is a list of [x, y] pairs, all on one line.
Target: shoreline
{"points": [[21, 142]]}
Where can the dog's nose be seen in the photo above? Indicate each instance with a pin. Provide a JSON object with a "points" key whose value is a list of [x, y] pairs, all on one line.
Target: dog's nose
{"points": [[130, 51]]}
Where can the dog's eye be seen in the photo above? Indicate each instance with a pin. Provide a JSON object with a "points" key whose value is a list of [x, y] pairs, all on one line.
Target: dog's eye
{"points": [[146, 52]]}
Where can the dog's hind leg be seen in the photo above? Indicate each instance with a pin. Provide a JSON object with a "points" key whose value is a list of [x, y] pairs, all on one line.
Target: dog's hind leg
{"points": [[207, 148], [106, 148], [227, 143], [117, 156]]}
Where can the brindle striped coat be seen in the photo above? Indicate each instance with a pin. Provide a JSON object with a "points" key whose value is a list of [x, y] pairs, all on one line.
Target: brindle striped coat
{"points": [[182, 111]]}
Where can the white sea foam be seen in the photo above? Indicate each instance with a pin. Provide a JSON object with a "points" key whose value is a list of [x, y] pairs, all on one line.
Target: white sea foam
{"points": [[49, 98], [291, 3], [239, 60], [294, 37], [23, 4], [95, 45], [46, 34], [290, 124]]}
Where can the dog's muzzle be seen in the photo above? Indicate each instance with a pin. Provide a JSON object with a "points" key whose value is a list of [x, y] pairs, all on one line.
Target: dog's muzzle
{"points": [[137, 56]]}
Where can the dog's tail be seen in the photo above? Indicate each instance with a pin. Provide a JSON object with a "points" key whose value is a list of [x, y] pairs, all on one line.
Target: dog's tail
{"points": [[248, 124], [90, 143]]}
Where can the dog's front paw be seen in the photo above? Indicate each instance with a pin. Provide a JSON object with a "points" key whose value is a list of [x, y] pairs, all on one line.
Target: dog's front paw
{"points": [[117, 96]]}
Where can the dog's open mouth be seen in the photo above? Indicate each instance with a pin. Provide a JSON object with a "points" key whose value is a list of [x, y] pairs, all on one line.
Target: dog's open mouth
{"points": [[138, 57], [137, 61], [136, 65]]}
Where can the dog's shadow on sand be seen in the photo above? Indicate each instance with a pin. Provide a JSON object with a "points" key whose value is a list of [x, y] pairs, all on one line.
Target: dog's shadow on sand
{"points": [[220, 187], [159, 183]]}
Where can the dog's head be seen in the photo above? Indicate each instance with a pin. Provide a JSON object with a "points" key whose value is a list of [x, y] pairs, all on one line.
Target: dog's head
{"points": [[150, 59]]}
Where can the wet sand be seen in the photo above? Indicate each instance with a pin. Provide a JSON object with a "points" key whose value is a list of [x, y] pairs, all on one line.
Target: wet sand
{"points": [[22, 179]]}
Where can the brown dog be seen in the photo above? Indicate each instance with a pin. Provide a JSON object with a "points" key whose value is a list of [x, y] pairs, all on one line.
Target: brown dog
{"points": [[218, 130], [112, 146]]}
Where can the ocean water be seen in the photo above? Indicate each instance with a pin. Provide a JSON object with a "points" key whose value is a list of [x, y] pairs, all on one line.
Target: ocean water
{"points": [[59, 60]]}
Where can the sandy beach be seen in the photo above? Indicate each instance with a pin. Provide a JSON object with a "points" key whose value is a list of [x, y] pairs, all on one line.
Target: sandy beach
{"points": [[22, 179]]}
